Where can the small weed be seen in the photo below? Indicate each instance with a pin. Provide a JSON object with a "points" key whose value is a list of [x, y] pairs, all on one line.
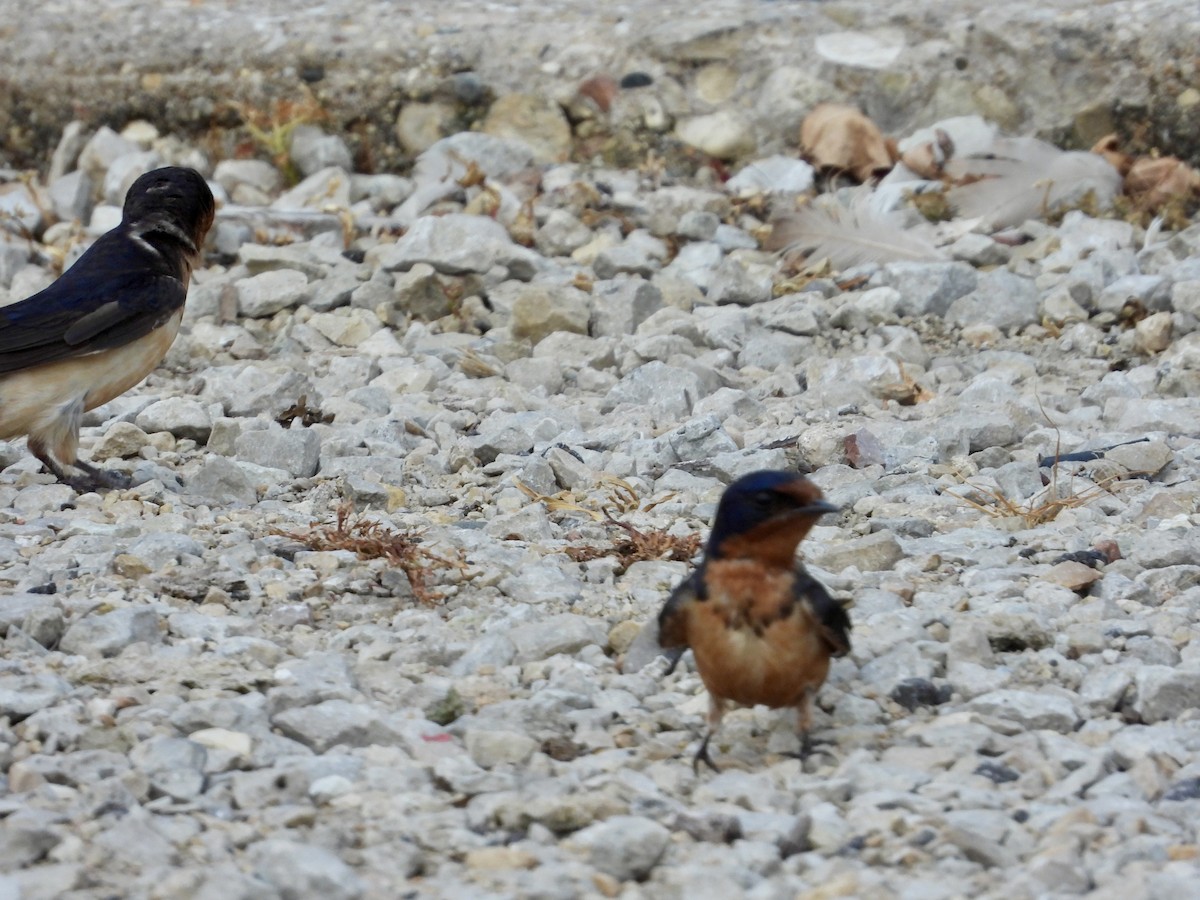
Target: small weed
{"points": [[907, 391], [631, 545], [933, 205], [447, 709], [272, 129], [621, 495], [1037, 510], [1044, 506], [799, 275], [374, 540]]}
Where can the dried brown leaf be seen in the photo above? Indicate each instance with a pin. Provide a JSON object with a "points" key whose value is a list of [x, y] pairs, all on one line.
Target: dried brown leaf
{"points": [[473, 176], [602, 90], [906, 391], [1109, 147], [305, 413], [839, 138], [476, 366], [1153, 183], [929, 159]]}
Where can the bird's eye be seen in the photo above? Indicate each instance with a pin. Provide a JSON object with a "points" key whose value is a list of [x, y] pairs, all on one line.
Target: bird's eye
{"points": [[763, 499]]}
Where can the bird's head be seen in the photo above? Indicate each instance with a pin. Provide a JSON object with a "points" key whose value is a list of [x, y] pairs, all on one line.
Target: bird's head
{"points": [[174, 203], [764, 515]]}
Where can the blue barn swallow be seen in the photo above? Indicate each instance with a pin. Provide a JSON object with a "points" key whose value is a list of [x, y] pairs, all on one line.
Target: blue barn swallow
{"points": [[762, 629], [105, 324]]}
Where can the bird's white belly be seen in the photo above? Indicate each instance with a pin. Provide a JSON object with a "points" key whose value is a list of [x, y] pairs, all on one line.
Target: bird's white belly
{"points": [[37, 400]]}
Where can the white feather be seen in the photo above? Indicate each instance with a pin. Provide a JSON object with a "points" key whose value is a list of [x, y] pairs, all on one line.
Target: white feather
{"points": [[1024, 178], [850, 235], [1153, 230]]}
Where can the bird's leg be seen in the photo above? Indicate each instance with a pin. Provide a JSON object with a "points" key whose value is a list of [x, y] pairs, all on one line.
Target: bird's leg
{"points": [[42, 453], [804, 723], [716, 711], [804, 726], [673, 656], [703, 757]]}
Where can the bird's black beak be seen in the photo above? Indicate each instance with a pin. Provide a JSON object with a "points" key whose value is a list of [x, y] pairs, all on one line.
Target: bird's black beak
{"points": [[819, 508]]}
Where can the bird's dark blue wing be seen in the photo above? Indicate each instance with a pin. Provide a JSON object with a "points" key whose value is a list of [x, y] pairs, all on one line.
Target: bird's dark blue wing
{"points": [[672, 620], [830, 615], [117, 292]]}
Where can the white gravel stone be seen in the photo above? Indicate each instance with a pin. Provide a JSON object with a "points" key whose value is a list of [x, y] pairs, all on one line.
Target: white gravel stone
{"points": [[299, 870], [540, 311], [296, 451], [181, 416], [458, 244], [556, 634], [311, 149], [1163, 693], [724, 134], [1028, 709], [266, 294], [625, 847], [670, 392], [493, 748], [110, 633], [772, 175]]}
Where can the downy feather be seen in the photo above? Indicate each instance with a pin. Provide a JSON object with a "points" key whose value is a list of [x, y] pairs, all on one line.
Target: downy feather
{"points": [[1024, 178], [863, 232]]}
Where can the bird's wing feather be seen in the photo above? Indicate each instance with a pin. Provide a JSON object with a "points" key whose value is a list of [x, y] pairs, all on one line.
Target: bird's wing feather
{"points": [[100, 320], [115, 300], [672, 620], [830, 616]]}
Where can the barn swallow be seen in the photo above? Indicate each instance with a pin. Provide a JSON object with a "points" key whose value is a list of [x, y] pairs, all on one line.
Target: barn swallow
{"points": [[762, 629], [105, 324]]}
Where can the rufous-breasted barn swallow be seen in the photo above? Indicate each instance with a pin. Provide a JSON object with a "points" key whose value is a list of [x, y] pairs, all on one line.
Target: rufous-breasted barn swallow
{"points": [[105, 324], [762, 629]]}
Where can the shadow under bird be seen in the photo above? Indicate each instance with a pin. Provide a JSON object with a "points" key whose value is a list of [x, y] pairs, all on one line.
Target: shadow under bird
{"points": [[105, 324], [762, 629]]}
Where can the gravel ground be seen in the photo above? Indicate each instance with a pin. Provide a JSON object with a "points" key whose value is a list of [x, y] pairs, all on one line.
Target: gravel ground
{"points": [[1069, 70], [198, 698]]}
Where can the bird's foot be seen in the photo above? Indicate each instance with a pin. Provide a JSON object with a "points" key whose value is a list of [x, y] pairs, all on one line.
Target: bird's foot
{"points": [[810, 747], [703, 757], [94, 479]]}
